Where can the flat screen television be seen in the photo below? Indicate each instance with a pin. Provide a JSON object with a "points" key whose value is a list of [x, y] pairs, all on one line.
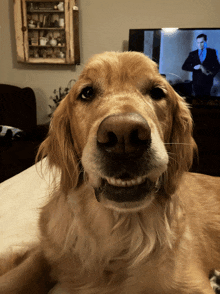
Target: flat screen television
{"points": [[176, 51]]}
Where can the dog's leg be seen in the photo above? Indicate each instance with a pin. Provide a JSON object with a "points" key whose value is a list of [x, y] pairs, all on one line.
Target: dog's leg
{"points": [[30, 276]]}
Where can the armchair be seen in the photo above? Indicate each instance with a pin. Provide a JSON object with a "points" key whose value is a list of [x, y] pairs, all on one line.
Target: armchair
{"points": [[18, 145]]}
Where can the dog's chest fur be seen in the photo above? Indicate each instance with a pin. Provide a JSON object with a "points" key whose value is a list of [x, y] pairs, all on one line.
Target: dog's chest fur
{"points": [[120, 251]]}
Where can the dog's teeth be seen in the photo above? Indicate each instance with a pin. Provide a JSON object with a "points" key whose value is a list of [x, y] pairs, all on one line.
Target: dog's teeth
{"points": [[134, 182], [122, 183], [119, 182], [140, 180], [112, 181], [130, 183]]}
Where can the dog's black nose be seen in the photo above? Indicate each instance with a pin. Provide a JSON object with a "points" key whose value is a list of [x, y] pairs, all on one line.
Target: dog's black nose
{"points": [[124, 134]]}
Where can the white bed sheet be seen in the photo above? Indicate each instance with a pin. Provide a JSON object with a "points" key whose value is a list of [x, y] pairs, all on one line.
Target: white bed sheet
{"points": [[21, 198]]}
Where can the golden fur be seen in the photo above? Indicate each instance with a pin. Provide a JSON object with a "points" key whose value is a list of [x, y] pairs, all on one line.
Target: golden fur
{"points": [[166, 241]]}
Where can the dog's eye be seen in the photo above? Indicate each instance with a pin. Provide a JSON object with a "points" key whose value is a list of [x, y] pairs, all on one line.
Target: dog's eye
{"points": [[157, 93], [87, 94]]}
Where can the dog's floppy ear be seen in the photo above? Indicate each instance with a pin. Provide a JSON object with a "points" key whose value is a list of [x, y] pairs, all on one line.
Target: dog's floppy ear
{"points": [[181, 145], [59, 147]]}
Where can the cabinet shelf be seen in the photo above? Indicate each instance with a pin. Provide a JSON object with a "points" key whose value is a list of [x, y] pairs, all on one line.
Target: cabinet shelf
{"points": [[61, 25], [45, 11], [46, 29], [47, 60], [47, 46]]}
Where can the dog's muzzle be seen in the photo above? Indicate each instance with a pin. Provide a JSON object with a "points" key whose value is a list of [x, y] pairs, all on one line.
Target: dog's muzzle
{"points": [[123, 140]]}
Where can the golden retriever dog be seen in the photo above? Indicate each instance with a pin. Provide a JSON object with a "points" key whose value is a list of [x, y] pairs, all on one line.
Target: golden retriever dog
{"points": [[126, 217]]}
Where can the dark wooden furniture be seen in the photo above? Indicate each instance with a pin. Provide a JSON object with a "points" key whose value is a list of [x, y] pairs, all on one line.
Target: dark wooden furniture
{"points": [[18, 110], [207, 136]]}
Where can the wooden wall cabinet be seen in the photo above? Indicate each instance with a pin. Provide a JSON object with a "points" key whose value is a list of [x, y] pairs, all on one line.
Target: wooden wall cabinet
{"points": [[47, 31]]}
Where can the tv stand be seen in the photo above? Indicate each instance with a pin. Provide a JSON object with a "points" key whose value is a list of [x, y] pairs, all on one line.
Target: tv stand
{"points": [[207, 136]]}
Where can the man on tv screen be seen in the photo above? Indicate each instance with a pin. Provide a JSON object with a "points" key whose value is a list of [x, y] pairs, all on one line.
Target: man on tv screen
{"points": [[204, 65]]}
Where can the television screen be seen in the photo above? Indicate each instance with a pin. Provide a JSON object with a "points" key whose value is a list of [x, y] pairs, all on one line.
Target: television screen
{"points": [[188, 58]]}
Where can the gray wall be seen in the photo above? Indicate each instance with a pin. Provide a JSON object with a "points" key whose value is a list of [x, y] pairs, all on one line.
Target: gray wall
{"points": [[104, 26]]}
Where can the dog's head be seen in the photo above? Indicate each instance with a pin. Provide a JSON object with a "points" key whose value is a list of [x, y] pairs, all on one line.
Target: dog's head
{"points": [[124, 127]]}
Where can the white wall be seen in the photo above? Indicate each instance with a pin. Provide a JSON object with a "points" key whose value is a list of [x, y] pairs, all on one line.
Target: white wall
{"points": [[104, 25]]}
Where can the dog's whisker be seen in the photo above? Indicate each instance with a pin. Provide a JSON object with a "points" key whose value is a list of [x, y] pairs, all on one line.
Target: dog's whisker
{"points": [[186, 144]]}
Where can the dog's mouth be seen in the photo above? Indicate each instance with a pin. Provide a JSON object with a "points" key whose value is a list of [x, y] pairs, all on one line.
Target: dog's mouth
{"points": [[125, 190]]}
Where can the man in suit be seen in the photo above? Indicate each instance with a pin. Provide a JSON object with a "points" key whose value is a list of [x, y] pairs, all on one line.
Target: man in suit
{"points": [[204, 65]]}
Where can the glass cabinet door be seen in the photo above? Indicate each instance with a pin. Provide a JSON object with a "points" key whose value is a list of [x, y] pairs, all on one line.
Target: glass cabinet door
{"points": [[48, 31]]}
